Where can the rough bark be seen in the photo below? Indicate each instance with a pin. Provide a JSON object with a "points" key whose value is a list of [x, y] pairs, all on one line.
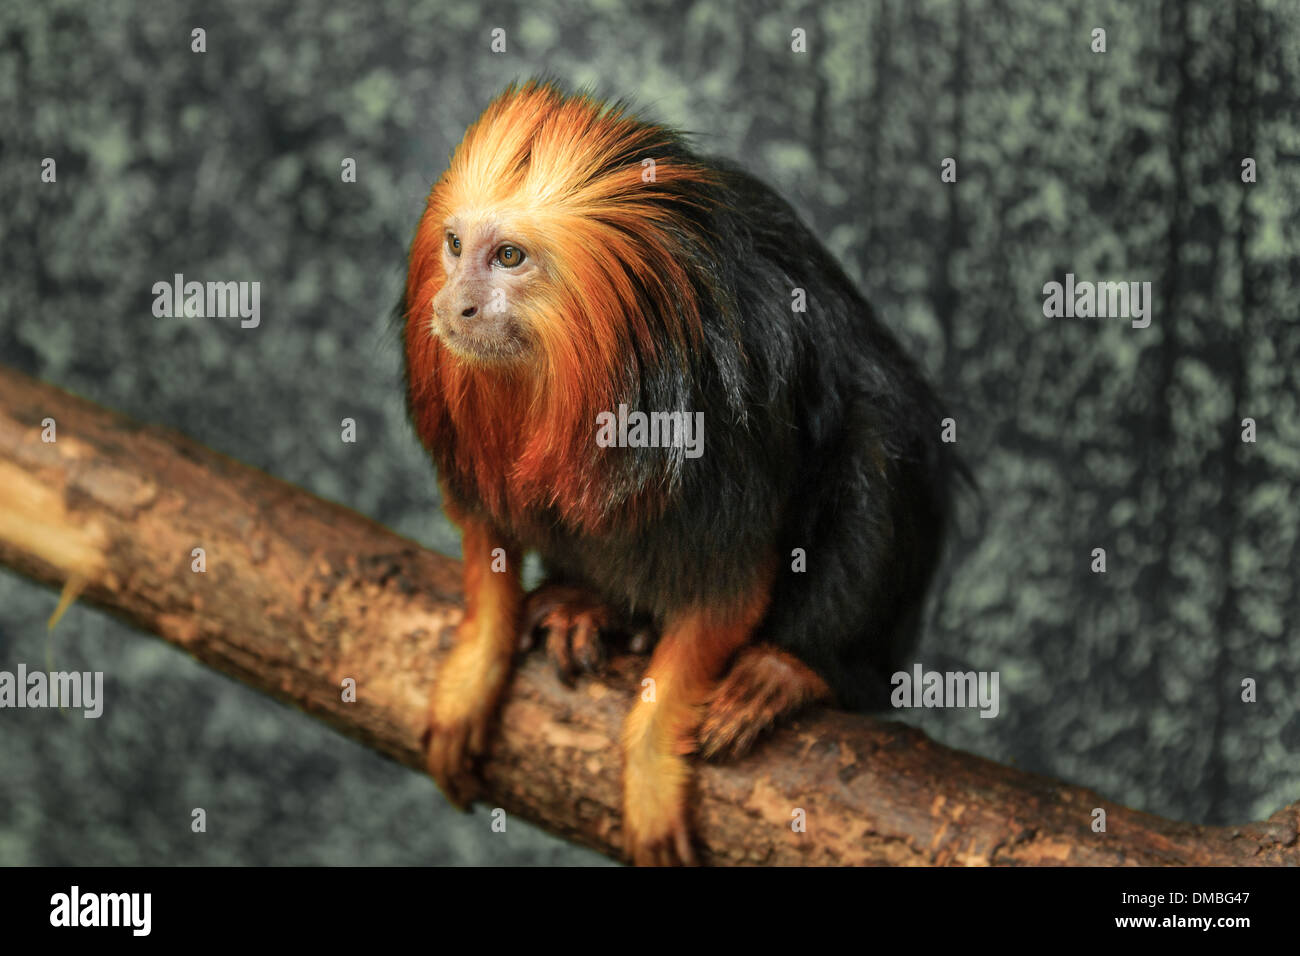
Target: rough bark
{"points": [[300, 594]]}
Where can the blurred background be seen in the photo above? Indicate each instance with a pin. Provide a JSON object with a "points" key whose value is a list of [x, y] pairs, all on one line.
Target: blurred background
{"points": [[1083, 433]]}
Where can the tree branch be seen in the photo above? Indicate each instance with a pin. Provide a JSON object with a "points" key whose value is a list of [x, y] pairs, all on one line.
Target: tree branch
{"points": [[300, 593]]}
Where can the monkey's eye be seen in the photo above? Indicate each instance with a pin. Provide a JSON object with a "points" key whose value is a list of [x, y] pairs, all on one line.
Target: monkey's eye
{"points": [[453, 243], [510, 256]]}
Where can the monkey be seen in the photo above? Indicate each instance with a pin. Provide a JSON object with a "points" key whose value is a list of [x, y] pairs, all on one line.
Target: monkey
{"points": [[575, 259]]}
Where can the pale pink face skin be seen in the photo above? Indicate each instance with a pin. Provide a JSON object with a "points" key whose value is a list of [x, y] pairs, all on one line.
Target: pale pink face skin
{"points": [[477, 313]]}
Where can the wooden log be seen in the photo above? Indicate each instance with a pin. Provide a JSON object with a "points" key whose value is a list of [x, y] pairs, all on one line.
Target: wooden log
{"points": [[300, 593]]}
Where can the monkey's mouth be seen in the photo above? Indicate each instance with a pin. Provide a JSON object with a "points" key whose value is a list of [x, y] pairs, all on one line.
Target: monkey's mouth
{"points": [[494, 342]]}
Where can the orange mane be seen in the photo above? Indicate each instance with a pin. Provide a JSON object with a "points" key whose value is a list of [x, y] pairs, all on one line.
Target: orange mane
{"points": [[619, 295]]}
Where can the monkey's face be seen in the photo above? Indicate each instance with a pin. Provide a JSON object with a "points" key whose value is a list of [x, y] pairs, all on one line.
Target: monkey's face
{"points": [[481, 312]]}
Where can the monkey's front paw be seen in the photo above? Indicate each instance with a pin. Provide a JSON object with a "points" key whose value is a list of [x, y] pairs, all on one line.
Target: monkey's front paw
{"points": [[764, 685], [572, 620], [460, 716], [656, 819]]}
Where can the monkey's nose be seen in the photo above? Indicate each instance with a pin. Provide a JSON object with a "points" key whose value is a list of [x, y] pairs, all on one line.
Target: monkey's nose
{"points": [[470, 312]]}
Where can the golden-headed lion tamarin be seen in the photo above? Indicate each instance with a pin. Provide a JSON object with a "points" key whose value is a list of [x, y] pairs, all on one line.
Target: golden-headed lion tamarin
{"points": [[573, 263]]}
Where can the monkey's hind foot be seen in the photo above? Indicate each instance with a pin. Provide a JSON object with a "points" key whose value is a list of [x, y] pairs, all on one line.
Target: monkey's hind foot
{"points": [[469, 685], [572, 619], [764, 685]]}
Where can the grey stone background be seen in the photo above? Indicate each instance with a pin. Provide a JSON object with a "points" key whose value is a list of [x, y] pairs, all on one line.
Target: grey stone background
{"points": [[1083, 433]]}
